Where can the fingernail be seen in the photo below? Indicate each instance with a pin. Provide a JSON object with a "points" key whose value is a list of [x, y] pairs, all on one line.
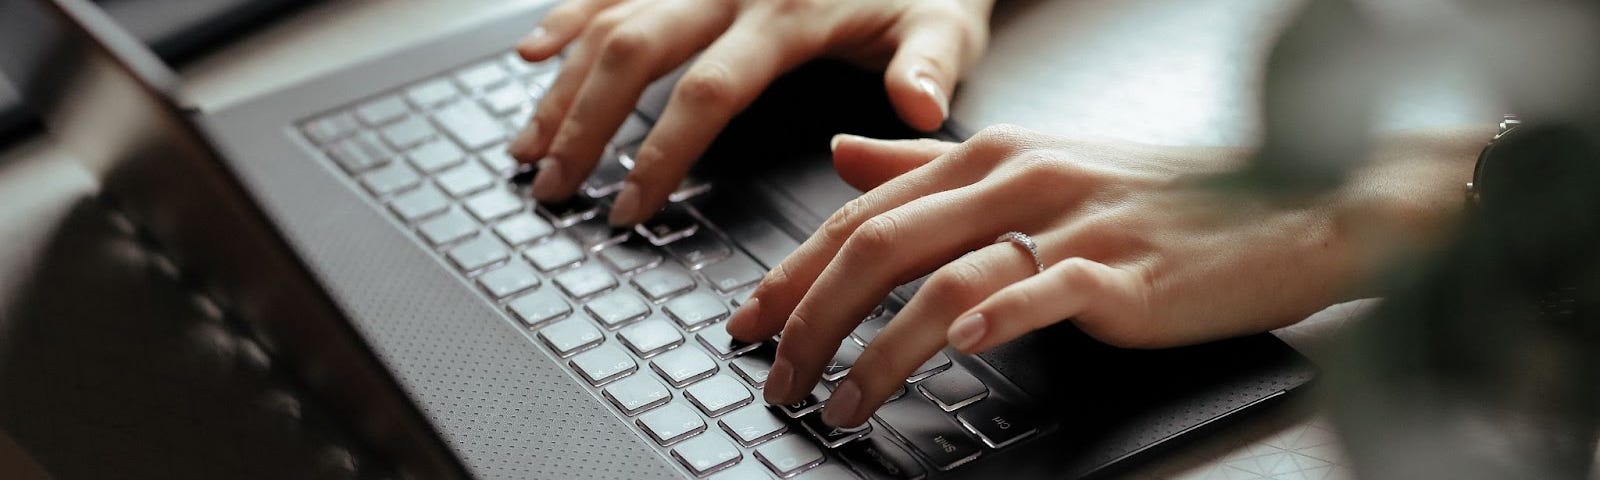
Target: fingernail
{"points": [[625, 210], [931, 87], [842, 407], [744, 316], [525, 139], [548, 180], [968, 331], [778, 381], [533, 38]]}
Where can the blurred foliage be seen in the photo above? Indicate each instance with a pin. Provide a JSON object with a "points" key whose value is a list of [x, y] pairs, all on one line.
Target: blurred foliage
{"points": [[1484, 361]]}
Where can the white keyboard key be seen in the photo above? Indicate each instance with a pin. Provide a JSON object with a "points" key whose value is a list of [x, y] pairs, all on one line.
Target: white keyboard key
{"points": [[571, 335], [637, 393], [603, 364], [718, 395], [671, 423]]}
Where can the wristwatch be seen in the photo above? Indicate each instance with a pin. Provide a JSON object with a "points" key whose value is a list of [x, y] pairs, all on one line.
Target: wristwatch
{"points": [[1489, 164], [1516, 186]]}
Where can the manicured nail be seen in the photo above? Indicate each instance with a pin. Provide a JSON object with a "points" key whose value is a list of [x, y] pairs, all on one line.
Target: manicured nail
{"points": [[842, 407], [532, 39], [745, 317], [625, 210], [931, 87], [968, 331], [524, 140], [548, 180], [779, 378]]}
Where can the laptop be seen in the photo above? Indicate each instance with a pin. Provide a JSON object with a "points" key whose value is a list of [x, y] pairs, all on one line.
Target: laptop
{"points": [[176, 31], [369, 227]]}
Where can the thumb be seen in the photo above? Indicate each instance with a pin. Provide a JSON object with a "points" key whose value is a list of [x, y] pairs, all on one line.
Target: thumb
{"points": [[923, 73], [865, 163]]}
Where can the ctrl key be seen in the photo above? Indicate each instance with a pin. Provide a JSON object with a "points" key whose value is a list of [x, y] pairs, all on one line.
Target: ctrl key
{"points": [[997, 422]]}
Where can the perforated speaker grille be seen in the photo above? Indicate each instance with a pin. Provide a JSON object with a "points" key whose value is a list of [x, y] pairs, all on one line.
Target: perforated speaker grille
{"points": [[504, 407]]}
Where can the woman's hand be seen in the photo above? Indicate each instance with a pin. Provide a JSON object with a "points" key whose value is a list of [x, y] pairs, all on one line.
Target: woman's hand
{"points": [[621, 46], [1136, 253]]}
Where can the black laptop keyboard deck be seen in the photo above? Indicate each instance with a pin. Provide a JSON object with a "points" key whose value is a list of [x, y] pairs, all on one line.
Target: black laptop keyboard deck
{"points": [[638, 314]]}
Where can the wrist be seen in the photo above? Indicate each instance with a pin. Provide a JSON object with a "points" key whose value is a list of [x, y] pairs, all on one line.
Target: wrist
{"points": [[1407, 200]]}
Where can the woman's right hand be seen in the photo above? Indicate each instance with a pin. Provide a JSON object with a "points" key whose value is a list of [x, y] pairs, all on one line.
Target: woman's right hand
{"points": [[1136, 253]]}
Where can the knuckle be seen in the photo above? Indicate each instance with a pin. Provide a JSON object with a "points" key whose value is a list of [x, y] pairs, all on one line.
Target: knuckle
{"points": [[1003, 135], [627, 45], [994, 144], [1035, 170], [608, 20], [842, 223], [707, 83], [777, 278], [1129, 325], [798, 327], [958, 283], [1075, 276], [875, 235]]}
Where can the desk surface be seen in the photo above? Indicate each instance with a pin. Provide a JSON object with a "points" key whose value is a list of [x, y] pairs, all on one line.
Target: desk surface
{"points": [[1159, 71]]}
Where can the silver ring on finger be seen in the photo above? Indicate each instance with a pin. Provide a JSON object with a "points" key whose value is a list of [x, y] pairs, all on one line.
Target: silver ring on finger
{"points": [[1023, 240]]}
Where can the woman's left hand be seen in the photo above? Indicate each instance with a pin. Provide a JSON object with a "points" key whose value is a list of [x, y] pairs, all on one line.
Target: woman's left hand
{"points": [[1135, 253]]}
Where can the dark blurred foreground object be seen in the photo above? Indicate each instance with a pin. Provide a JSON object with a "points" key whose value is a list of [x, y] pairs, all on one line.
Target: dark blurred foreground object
{"points": [[178, 30], [1484, 365], [1483, 360]]}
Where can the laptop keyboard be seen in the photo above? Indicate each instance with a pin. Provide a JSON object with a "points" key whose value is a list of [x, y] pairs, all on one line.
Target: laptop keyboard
{"points": [[638, 313]]}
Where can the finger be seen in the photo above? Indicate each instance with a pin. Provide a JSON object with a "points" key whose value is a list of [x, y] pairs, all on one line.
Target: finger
{"points": [[917, 332], [646, 46], [934, 50], [562, 24], [890, 249], [1075, 287], [726, 78], [865, 163], [532, 142], [782, 288]]}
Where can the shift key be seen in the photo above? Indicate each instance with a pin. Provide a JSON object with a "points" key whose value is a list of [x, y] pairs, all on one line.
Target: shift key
{"points": [[930, 431], [880, 459]]}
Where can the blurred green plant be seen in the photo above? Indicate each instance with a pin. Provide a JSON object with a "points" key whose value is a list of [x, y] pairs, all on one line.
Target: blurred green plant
{"points": [[1484, 359]]}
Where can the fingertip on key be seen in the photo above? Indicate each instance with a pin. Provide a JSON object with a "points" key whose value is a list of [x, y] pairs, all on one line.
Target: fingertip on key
{"points": [[522, 144], [967, 332], [841, 409], [742, 322], [625, 209], [779, 379], [547, 183], [530, 45]]}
